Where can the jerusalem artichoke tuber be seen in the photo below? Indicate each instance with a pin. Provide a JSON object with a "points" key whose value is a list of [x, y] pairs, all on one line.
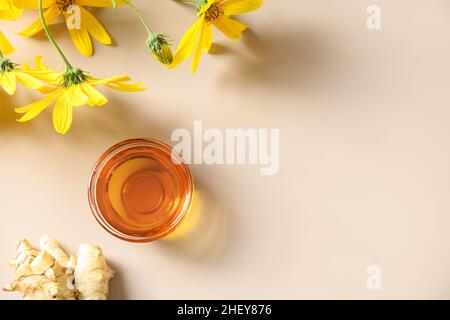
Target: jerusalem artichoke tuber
{"points": [[39, 276], [51, 274], [51, 246], [92, 274]]}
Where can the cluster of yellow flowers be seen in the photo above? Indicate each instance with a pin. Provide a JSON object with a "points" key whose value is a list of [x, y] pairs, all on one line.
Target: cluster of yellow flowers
{"points": [[73, 87]]}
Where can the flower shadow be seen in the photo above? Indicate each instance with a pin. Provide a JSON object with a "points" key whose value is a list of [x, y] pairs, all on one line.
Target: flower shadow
{"points": [[7, 115], [218, 49], [115, 121], [280, 61]]}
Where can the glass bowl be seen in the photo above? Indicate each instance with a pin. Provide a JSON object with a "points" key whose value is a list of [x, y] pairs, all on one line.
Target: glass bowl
{"points": [[140, 190]]}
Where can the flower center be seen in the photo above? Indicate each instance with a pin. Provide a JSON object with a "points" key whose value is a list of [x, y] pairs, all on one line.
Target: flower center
{"points": [[213, 12], [63, 5], [73, 77], [6, 65]]}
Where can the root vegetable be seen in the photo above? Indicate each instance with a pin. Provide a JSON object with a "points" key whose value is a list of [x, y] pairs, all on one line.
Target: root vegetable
{"points": [[92, 274], [51, 274], [39, 276], [25, 256], [52, 247]]}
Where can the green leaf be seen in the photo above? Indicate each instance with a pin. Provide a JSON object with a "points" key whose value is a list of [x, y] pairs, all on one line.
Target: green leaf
{"points": [[114, 4]]}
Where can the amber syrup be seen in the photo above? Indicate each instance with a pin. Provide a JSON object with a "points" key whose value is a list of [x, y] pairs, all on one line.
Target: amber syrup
{"points": [[141, 191]]}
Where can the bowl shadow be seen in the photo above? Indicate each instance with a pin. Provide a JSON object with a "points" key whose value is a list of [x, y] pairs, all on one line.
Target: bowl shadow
{"points": [[117, 286], [204, 234]]}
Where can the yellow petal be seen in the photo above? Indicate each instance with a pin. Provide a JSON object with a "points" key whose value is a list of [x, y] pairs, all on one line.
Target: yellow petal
{"points": [[8, 81], [76, 96], [102, 82], [48, 89], [33, 109], [32, 4], [4, 5], [125, 87], [230, 27], [96, 98], [8, 15], [208, 38], [50, 16], [188, 43], [97, 3], [81, 40], [8, 11], [28, 81], [62, 114], [39, 63], [232, 7], [117, 83], [94, 27], [5, 46], [50, 77], [204, 45], [42, 72]]}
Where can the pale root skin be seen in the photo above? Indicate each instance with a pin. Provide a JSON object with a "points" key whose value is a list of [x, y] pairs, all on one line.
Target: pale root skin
{"points": [[51, 246], [51, 274], [92, 274], [39, 276], [25, 256]]}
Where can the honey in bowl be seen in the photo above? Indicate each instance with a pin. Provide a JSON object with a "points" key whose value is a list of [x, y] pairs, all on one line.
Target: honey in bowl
{"points": [[139, 191]]}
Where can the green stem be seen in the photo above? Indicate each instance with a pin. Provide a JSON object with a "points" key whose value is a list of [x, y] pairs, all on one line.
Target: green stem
{"points": [[141, 16], [194, 2], [52, 40]]}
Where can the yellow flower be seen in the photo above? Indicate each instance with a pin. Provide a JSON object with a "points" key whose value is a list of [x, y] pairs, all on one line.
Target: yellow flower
{"points": [[80, 31], [8, 11], [73, 89], [41, 72], [11, 73], [217, 13]]}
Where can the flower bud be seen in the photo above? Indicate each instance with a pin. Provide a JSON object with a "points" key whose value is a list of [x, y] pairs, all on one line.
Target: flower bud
{"points": [[160, 48]]}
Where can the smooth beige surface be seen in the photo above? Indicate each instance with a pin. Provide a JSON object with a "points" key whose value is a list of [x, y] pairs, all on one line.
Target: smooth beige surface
{"points": [[365, 157]]}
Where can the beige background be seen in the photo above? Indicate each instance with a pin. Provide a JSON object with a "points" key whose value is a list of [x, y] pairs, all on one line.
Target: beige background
{"points": [[365, 179]]}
